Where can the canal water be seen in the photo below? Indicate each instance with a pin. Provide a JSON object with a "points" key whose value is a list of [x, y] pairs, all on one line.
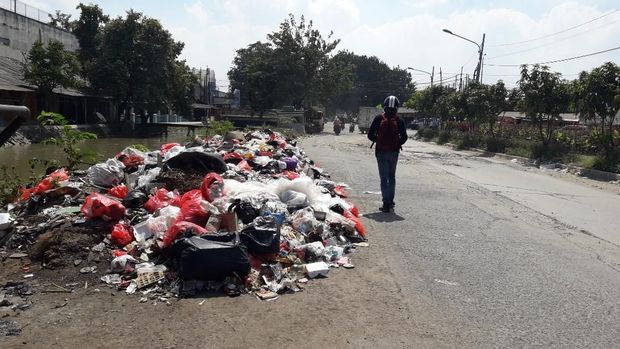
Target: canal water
{"points": [[18, 156]]}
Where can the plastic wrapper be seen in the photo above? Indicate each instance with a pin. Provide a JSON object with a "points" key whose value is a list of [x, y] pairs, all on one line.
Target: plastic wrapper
{"points": [[294, 199], [135, 199]]}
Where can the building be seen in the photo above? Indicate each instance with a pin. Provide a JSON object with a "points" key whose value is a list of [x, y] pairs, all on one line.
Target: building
{"points": [[21, 26], [208, 100]]}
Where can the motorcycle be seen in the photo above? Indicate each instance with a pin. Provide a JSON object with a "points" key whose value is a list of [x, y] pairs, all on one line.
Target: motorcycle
{"points": [[352, 128], [337, 128]]}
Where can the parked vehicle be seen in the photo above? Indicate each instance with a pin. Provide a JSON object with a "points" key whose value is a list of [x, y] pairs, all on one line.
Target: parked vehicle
{"points": [[365, 117]]}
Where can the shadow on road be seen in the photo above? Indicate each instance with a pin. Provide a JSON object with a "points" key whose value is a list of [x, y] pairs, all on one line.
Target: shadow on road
{"points": [[384, 217]]}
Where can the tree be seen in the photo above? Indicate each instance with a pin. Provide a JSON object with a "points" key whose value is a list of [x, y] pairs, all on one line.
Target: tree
{"points": [[254, 74], [513, 99], [484, 103], [596, 95], [61, 20], [87, 29], [50, 67], [372, 81], [136, 63], [545, 96], [293, 68]]}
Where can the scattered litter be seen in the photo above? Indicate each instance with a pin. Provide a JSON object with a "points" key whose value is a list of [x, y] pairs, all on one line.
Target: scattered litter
{"points": [[18, 255], [373, 192], [87, 270], [445, 282]]}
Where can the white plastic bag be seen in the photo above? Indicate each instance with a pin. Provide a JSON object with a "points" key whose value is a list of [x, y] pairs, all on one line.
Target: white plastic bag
{"points": [[107, 174]]}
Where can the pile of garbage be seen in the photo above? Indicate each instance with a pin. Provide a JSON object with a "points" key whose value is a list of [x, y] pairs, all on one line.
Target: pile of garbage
{"points": [[239, 214]]}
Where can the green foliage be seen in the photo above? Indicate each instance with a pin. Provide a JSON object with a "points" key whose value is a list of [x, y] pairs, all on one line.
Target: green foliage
{"points": [[443, 137], [61, 20], [51, 119], [69, 140], [427, 133], [545, 96], [372, 81], [86, 29], [468, 140], [140, 147], [9, 185], [49, 67], [136, 62], [220, 127], [496, 145], [292, 68], [597, 96]]}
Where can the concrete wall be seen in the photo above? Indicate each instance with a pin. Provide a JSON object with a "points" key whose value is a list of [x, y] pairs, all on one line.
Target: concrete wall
{"points": [[21, 32]]}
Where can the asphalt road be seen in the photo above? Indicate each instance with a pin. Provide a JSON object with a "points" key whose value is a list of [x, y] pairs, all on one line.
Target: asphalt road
{"points": [[486, 253]]}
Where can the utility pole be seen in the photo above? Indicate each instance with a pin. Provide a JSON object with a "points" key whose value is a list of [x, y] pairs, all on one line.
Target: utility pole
{"points": [[478, 73], [432, 75], [461, 81], [440, 77]]}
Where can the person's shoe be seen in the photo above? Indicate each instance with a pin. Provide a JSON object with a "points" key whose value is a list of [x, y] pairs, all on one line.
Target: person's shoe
{"points": [[385, 208], [392, 205]]}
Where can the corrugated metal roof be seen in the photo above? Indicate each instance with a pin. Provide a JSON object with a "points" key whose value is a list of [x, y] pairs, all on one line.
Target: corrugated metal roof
{"points": [[11, 79]]}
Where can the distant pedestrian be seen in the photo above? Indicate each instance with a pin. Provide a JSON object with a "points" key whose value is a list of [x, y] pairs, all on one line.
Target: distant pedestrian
{"points": [[389, 133]]}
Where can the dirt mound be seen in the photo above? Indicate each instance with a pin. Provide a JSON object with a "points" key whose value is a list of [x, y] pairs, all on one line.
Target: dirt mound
{"points": [[179, 180], [63, 245]]}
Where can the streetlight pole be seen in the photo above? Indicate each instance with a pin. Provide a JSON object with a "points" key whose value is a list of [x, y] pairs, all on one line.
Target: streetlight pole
{"points": [[478, 71], [432, 74]]}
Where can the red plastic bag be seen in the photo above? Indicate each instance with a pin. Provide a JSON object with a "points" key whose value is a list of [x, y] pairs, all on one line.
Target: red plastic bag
{"points": [[165, 147], [162, 198], [233, 157], [130, 160], [339, 190], [99, 206], [354, 209], [290, 174], [244, 166], [50, 182], [212, 187], [118, 253], [180, 228], [122, 235], [265, 153], [192, 209], [120, 191], [358, 224]]}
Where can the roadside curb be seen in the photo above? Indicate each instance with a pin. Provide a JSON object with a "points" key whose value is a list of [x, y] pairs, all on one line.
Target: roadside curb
{"points": [[580, 171]]}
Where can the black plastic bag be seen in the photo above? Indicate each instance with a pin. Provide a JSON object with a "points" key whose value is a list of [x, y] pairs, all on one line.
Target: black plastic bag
{"points": [[244, 210], [195, 161], [261, 236], [210, 257], [135, 199]]}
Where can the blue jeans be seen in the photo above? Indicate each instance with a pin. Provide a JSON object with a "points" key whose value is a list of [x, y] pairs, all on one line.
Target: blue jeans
{"points": [[387, 161]]}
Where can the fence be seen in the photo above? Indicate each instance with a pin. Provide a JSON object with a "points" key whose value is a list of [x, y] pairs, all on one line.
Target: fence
{"points": [[25, 10]]}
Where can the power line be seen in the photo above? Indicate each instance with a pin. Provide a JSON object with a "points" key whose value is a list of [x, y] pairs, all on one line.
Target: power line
{"points": [[556, 33], [557, 60], [553, 43]]}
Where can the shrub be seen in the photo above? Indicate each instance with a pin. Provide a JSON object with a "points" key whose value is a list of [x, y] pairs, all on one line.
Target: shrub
{"points": [[496, 145], [443, 137], [220, 127], [468, 140], [427, 133]]}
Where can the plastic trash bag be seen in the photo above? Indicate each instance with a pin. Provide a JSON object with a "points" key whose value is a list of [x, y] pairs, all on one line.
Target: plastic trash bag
{"points": [[166, 147], [119, 191], [99, 206], [212, 187], [148, 177], [197, 161], [122, 234], [199, 258], [261, 236], [162, 198], [51, 181], [245, 211], [294, 199], [135, 199], [358, 224], [291, 163], [194, 209], [107, 174], [180, 229]]}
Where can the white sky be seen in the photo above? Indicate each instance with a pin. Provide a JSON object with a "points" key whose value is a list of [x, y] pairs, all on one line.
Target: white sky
{"points": [[401, 33]]}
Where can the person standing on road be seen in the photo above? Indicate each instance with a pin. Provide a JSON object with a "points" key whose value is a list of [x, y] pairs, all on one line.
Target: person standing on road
{"points": [[389, 133]]}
